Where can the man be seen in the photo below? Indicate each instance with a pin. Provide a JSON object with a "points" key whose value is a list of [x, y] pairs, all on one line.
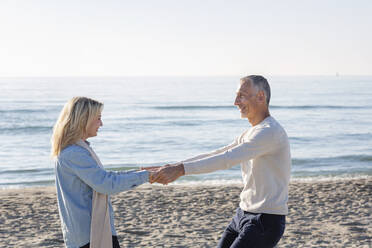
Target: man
{"points": [[264, 154]]}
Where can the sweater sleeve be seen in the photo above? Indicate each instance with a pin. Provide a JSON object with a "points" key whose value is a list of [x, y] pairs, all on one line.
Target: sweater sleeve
{"points": [[209, 154], [261, 141], [81, 163]]}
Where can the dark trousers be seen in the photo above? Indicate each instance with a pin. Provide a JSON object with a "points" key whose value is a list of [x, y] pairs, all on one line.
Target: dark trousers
{"points": [[115, 243], [251, 230]]}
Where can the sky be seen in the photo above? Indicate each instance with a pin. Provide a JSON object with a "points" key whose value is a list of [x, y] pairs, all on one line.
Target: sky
{"points": [[184, 37]]}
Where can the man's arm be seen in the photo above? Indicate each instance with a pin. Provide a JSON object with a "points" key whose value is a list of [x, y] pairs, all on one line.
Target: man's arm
{"points": [[221, 161], [215, 152], [261, 141], [178, 168]]}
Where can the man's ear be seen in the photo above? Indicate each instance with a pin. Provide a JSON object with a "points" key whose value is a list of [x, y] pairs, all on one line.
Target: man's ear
{"points": [[261, 96]]}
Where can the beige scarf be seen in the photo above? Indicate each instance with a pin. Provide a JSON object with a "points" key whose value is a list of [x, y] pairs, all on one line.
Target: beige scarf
{"points": [[100, 228]]}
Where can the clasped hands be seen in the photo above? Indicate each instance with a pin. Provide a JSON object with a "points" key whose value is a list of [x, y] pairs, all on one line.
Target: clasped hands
{"points": [[165, 174]]}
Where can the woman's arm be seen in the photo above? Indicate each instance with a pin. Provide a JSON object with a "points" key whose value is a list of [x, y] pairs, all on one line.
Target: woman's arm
{"points": [[80, 162]]}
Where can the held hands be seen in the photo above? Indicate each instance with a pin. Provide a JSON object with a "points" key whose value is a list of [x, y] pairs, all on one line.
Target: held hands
{"points": [[165, 174]]}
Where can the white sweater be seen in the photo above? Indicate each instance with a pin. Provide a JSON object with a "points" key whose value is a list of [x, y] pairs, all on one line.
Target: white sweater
{"points": [[264, 154]]}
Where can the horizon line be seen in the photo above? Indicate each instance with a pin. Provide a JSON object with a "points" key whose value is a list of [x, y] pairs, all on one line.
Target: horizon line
{"points": [[160, 76]]}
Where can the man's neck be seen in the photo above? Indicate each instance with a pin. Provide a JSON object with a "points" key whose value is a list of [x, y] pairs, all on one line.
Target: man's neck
{"points": [[259, 118]]}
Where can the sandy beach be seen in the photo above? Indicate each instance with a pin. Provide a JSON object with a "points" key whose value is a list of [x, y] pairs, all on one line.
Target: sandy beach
{"points": [[321, 214]]}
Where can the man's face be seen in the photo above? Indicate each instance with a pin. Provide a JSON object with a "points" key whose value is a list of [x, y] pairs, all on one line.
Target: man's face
{"points": [[246, 100]]}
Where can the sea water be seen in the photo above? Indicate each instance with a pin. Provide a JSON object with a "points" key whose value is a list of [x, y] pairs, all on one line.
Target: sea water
{"points": [[158, 120]]}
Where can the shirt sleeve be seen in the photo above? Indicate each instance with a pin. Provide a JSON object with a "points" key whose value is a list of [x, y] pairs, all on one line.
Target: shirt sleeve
{"points": [[261, 141], [209, 154], [81, 163]]}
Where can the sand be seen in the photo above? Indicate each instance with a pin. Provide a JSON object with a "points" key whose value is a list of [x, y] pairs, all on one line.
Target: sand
{"points": [[321, 214]]}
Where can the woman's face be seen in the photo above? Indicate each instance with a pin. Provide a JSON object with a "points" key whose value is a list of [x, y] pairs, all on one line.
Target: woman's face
{"points": [[93, 127]]}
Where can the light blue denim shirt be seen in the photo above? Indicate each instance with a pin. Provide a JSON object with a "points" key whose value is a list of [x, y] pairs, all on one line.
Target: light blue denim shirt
{"points": [[77, 174]]}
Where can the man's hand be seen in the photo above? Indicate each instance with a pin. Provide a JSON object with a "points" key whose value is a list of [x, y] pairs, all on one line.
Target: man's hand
{"points": [[169, 173], [153, 175]]}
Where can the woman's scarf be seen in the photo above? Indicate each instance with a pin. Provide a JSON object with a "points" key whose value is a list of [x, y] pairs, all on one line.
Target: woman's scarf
{"points": [[100, 227]]}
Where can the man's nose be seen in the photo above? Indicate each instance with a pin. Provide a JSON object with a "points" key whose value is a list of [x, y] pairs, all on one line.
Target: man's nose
{"points": [[236, 101]]}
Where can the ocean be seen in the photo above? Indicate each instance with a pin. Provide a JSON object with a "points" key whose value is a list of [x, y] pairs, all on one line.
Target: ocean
{"points": [[158, 120]]}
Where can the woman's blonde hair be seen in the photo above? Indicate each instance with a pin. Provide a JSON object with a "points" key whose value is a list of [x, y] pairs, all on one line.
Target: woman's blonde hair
{"points": [[72, 122]]}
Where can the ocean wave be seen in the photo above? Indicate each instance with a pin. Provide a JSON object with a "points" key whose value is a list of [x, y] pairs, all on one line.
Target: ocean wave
{"points": [[27, 111], [193, 107], [239, 182], [195, 183], [358, 136], [26, 129], [27, 171], [189, 107], [27, 183], [351, 158], [216, 107], [324, 178], [136, 125], [331, 138], [208, 182], [319, 107], [47, 178]]}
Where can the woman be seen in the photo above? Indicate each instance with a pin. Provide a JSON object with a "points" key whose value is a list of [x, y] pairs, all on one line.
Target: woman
{"points": [[83, 186]]}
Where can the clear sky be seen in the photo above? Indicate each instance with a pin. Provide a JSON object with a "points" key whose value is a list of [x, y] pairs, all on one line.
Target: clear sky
{"points": [[185, 37]]}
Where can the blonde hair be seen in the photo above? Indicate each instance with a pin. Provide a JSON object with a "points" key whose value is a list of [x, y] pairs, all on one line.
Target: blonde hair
{"points": [[72, 122]]}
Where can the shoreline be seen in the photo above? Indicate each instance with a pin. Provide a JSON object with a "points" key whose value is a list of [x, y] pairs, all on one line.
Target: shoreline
{"points": [[215, 182], [332, 213]]}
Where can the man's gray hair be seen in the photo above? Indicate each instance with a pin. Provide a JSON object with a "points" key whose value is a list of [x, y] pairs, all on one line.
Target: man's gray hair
{"points": [[260, 83]]}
